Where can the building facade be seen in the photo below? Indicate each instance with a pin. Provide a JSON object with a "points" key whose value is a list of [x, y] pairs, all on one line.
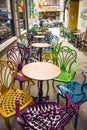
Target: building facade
{"points": [[18, 16]]}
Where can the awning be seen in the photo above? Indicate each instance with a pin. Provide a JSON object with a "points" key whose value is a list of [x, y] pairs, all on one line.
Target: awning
{"points": [[51, 8]]}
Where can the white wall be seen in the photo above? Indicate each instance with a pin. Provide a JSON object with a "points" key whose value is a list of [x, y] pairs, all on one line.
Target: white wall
{"points": [[82, 24]]}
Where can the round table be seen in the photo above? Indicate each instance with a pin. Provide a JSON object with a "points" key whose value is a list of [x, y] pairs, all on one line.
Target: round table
{"points": [[41, 71], [40, 45], [77, 33], [39, 37], [41, 33]]}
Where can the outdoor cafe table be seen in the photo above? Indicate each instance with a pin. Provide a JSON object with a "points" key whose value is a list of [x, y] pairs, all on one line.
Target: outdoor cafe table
{"points": [[41, 33], [39, 37], [41, 71], [40, 45]]}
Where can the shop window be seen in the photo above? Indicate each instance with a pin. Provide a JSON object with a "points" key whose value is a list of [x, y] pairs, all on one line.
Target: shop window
{"points": [[21, 11], [51, 2], [6, 21]]}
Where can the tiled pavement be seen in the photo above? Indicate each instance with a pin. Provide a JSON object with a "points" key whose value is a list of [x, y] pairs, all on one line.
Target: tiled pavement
{"points": [[82, 123]]}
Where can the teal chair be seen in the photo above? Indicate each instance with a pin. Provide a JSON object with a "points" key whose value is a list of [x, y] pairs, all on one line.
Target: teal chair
{"points": [[76, 90], [65, 58]]}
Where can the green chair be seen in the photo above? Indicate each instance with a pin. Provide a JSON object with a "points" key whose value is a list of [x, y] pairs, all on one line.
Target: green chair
{"points": [[71, 37], [65, 58], [62, 31]]}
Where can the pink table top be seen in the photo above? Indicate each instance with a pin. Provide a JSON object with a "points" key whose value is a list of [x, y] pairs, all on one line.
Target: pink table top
{"points": [[40, 45], [41, 70], [41, 33]]}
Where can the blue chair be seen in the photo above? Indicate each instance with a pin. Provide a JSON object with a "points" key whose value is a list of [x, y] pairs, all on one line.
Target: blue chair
{"points": [[47, 52], [76, 90]]}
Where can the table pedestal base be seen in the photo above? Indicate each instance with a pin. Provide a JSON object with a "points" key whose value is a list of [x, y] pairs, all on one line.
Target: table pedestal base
{"points": [[40, 97], [44, 99]]}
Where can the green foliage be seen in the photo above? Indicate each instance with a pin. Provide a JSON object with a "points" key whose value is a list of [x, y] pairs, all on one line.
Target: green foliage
{"points": [[33, 5]]}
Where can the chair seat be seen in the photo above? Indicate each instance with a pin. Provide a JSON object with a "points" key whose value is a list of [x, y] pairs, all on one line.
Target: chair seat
{"points": [[8, 99], [47, 116], [64, 77]]}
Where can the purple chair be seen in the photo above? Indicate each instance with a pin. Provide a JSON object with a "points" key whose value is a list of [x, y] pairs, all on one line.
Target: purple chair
{"points": [[46, 115], [20, 55]]}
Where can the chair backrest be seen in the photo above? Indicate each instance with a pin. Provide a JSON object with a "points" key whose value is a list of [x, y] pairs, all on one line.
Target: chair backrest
{"points": [[8, 71], [19, 54], [65, 57], [78, 91], [54, 40], [30, 37]]}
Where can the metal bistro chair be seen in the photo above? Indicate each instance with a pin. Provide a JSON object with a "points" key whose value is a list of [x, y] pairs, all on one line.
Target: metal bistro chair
{"points": [[21, 56], [76, 90], [9, 93], [46, 115], [65, 58], [53, 41]]}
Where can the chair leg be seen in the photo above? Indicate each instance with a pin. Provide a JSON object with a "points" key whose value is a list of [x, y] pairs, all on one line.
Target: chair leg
{"points": [[66, 101], [29, 87], [58, 95], [7, 123], [76, 122], [21, 85]]}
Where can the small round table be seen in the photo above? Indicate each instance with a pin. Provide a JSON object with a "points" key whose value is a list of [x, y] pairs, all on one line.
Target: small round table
{"points": [[41, 33], [40, 45], [39, 37], [41, 71]]}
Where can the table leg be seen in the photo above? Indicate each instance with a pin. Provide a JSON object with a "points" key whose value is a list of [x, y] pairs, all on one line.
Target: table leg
{"points": [[40, 54], [40, 93], [40, 97]]}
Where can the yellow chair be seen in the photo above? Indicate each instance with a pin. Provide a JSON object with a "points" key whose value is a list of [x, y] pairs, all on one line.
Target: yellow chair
{"points": [[9, 93]]}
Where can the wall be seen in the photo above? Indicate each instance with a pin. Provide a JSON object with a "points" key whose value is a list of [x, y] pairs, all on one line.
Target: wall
{"points": [[82, 24]]}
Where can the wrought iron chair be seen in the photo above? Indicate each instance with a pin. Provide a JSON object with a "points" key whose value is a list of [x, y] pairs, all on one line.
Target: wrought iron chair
{"points": [[46, 115], [20, 55], [9, 93], [47, 52], [65, 58], [76, 90]]}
